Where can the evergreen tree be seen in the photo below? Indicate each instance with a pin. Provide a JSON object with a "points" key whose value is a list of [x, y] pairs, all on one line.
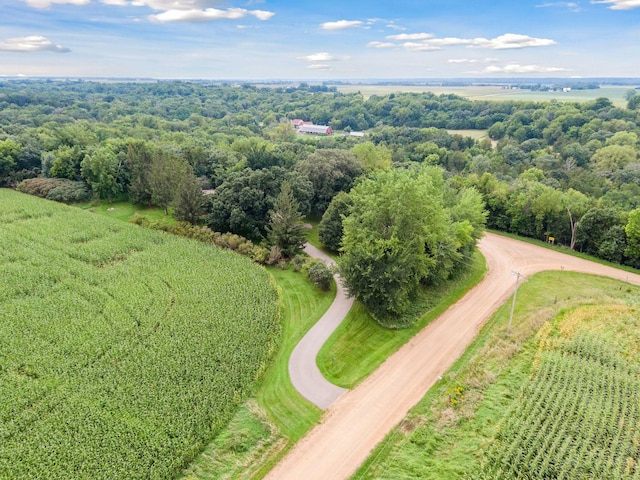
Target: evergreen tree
{"points": [[188, 203], [286, 228]]}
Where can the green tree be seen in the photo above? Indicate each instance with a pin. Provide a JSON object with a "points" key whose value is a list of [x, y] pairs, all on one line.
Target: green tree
{"points": [[165, 175], [188, 203], [138, 161], [9, 152], [67, 162], [372, 157], [102, 170], [632, 230], [613, 157], [330, 230], [391, 238], [286, 228], [330, 171], [576, 204]]}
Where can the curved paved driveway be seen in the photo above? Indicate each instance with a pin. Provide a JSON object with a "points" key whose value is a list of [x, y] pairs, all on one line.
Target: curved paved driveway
{"points": [[303, 370], [362, 417]]}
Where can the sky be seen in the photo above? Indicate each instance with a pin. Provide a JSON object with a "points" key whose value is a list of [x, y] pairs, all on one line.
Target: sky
{"points": [[319, 40]]}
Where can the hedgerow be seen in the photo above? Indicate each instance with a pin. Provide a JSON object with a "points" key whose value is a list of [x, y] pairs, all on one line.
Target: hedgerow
{"points": [[58, 189], [122, 350]]}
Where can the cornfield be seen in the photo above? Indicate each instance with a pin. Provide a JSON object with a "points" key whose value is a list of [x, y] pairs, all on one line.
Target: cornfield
{"points": [[122, 350], [578, 417]]}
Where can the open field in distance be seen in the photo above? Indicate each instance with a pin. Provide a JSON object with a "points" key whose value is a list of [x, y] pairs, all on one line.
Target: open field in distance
{"points": [[615, 94]]}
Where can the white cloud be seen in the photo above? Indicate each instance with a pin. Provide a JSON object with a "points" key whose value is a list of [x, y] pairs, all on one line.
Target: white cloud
{"points": [[510, 41], [472, 60], [163, 5], [428, 42], [319, 67], [449, 41], [208, 14], [33, 43], [48, 3], [381, 45], [420, 47], [573, 6], [517, 68], [410, 36], [393, 26], [318, 57], [341, 24], [620, 4]]}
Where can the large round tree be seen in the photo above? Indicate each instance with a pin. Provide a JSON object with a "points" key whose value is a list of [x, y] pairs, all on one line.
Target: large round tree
{"points": [[391, 238]]}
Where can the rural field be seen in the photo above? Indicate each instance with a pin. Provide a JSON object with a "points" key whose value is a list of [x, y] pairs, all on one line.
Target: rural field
{"points": [[613, 93], [123, 351]]}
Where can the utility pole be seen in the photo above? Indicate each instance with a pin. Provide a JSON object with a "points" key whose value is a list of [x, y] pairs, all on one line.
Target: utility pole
{"points": [[513, 304]]}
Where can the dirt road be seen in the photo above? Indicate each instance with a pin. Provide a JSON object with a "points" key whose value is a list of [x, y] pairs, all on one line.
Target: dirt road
{"points": [[361, 418]]}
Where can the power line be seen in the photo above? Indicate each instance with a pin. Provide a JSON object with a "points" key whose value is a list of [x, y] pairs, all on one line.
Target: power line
{"points": [[513, 304]]}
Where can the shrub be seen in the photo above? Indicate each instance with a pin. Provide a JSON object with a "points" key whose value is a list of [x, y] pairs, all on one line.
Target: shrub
{"points": [[58, 189], [275, 255], [320, 275]]}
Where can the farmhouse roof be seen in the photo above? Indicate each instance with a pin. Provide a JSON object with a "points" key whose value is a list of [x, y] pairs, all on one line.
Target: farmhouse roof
{"points": [[319, 129]]}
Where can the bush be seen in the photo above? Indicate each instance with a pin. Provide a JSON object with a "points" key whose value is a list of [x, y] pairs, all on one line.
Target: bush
{"points": [[299, 262], [275, 255], [58, 189], [320, 275]]}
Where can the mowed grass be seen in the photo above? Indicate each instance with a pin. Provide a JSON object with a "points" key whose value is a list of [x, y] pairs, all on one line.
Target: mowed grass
{"points": [[125, 211], [450, 433], [123, 351], [360, 345]]}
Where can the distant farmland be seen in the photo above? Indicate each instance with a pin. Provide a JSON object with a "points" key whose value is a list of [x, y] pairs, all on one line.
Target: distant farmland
{"points": [[615, 94], [122, 350]]}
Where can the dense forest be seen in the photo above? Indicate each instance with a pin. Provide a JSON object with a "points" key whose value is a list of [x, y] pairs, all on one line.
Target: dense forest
{"points": [[558, 171]]}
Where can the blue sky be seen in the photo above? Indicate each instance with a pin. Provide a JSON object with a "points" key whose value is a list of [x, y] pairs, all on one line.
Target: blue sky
{"points": [[277, 39]]}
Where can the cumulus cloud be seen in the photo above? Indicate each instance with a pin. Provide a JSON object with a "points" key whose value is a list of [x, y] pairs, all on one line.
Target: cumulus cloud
{"points": [[48, 3], [381, 45], [420, 47], [410, 36], [172, 10], [472, 60], [323, 57], [208, 14], [173, 4], [620, 4], [319, 67], [341, 24], [318, 57], [33, 43], [512, 40], [517, 68], [428, 42]]}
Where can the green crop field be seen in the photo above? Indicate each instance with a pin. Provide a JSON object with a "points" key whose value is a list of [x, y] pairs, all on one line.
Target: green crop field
{"points": [[122, 350], [579, 413]]}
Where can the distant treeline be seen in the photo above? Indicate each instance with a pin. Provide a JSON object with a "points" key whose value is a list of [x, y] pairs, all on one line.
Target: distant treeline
{"points": [[561, 170]]}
